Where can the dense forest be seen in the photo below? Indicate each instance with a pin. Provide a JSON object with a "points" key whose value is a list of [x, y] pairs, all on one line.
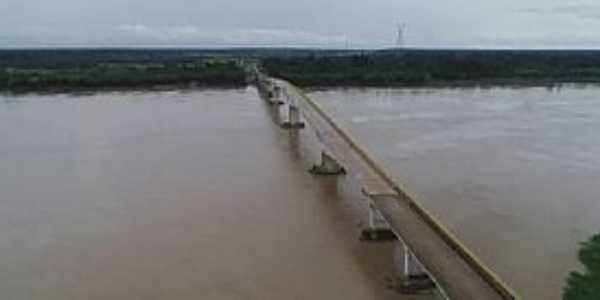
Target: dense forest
{"points": [[48, 70], [432, 67], [51, 69]]}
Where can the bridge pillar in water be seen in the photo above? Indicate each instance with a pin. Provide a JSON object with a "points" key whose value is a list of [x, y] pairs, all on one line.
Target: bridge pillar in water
{"points": [[414, 279], [263, 86], [276, 114], [274, 95], [378, 229], [328, 166], [261, 80], [294, 121], [277, 92]]}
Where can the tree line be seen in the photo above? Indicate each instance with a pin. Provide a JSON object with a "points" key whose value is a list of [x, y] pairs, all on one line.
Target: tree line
{"points": [[425, 67]]}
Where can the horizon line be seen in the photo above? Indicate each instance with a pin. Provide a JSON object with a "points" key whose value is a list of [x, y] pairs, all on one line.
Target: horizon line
{"points": [[283, 47]]}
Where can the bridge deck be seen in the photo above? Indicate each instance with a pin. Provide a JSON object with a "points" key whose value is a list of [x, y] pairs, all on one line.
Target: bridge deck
{"points": [[456, 270]]}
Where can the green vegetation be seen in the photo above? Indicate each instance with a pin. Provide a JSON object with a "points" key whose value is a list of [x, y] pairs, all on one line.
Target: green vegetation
{"points": [[123, 75], [66, 70], [586, 285], [437, 67]]}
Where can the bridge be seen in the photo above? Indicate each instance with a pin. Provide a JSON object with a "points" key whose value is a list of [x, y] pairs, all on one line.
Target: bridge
{"points": [[434, 258]]}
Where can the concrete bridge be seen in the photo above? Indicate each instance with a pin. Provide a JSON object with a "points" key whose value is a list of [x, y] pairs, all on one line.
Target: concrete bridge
{"points": [[434, 258]]}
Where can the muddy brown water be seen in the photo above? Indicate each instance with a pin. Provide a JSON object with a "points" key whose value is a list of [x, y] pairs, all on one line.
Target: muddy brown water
{"points": [[173, 195], [514, 172], [196, 194]]}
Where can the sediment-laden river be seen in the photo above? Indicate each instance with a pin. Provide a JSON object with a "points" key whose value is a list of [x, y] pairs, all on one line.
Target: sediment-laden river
{"points": [[515, 172], [197, 194], [170, 195]]}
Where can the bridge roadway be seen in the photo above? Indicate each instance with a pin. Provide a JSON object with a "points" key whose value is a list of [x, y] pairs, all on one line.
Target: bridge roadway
{"points": [[457, 272]]}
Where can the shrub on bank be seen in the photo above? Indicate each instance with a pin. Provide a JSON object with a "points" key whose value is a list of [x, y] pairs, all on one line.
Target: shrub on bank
{"points": [[586, 285]]}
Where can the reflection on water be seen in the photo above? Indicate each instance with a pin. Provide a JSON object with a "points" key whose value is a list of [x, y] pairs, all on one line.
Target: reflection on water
{"points": [[172, 195], [514, 172]]}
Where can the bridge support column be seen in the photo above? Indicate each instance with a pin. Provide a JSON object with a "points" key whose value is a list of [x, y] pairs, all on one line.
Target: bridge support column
{"points": [[294, 118], [378, 230], [276, 114], [274, 95], [414, 280], [261, 80], [263, 88], [328, 166]]}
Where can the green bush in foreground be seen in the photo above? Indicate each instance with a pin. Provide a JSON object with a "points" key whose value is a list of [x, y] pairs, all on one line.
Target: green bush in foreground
{"points": [[586, 285]]}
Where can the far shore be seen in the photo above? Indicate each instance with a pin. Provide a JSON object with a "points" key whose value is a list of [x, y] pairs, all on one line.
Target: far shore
{"points": [[118, 88], [484, 84]]}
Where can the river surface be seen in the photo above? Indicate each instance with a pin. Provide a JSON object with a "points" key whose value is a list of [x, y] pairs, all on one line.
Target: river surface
{"points": [[197, 194], [514, 172], [172, 195]]}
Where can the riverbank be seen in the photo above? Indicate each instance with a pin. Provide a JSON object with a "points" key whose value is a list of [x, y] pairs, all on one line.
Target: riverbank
{"points": [[75, 70], [88, 90]]}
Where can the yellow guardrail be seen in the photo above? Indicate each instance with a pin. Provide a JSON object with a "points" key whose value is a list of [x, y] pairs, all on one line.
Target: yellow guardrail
{"points": [[451, 240]]}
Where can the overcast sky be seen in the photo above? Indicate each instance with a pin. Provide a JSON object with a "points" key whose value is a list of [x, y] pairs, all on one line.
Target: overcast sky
{"points": [[315, 23]]}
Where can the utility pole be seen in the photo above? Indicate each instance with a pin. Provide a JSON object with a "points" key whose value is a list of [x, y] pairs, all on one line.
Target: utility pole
{"points": [[401, 34]]}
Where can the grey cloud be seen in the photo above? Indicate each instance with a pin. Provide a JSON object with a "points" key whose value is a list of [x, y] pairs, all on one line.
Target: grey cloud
{"points": [[579, 11], [193, 35], [315, 23]]}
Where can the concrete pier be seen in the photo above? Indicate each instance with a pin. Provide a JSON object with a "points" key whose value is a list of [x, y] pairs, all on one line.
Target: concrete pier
{"points": [[328, 166], [275, 95], [294, 121], [269, 91], [414, 277], [378, 229]]}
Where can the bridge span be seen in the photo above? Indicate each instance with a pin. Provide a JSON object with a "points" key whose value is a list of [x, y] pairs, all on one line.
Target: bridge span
{"points": [[434, 258]]}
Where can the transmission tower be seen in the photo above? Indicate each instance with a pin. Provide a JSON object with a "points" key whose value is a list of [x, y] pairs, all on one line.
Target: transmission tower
{"points": [[400, 35]]}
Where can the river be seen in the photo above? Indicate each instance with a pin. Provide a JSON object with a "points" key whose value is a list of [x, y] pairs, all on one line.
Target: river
{"points": [[185, 194], [196, 193], [514, 172]]}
